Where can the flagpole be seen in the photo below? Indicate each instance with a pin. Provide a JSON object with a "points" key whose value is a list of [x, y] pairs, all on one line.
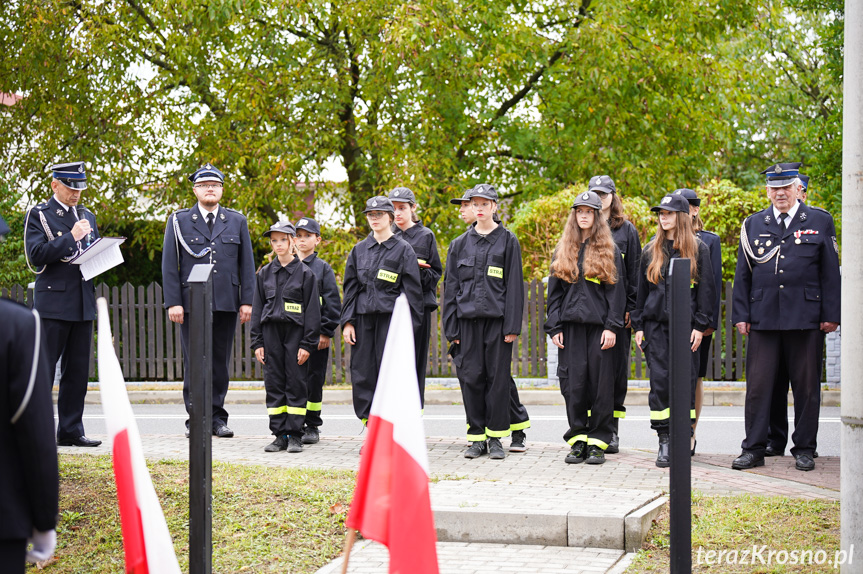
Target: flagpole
{"points": [[349, 543]]}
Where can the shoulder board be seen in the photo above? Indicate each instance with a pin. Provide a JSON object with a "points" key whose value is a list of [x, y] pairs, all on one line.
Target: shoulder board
{"points": [[184, 210], [821, 209], [42, 206], [234, 211], [709, 233]]}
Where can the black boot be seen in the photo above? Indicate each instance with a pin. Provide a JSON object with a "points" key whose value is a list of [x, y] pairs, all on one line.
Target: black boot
{"points": [[614, 445], [662, 456]]}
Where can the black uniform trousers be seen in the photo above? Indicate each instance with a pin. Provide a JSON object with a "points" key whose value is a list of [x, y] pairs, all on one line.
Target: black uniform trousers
{"points": [[799, 352], [366, 358], [316, 375], [71, 340], [518, 417], [586, 375], [621, 351], [421, 338], [224, 326], [13, 554], [657, 352], [284, 379], [486, 381]]}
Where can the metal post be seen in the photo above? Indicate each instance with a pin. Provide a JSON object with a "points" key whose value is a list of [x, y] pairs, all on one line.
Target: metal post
{"points": [[852, 282], [200, 419], [680, 371]]}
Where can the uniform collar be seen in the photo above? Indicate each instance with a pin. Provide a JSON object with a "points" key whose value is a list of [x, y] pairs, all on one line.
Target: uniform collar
{"points": [[491, 237], [389, 243], [61, 204], [204, 212], [410, 231], [791, 213], [289, 268], [308, 260]]}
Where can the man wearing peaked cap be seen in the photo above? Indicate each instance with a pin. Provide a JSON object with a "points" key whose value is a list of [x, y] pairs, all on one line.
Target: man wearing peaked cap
{"points": [[210, 233], [54, 233], [786, 296]]}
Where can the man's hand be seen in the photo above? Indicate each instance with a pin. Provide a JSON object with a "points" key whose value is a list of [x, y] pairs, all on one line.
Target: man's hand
{"points": [[176, 313], [81, 229], [302, 356], [743, 328], [349, 334], [558, 340], [259, 355], [828, 327], [509, 338], [245, 313], [43, 545], [695, 339], [639, 337], [608, 339], [323, 343]]}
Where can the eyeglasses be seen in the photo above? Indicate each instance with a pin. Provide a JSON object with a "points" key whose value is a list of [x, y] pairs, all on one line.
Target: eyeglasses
{"points": [[204, 186], [374, 214]]}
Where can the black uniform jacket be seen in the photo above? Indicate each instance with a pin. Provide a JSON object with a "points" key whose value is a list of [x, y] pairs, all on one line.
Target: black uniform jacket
{"points": [[484, 280], [653, 299], [61, 292], [587, 300], [376, 274], [627, 241], [29, 482], [797, 288], [423, 242], [230, 250], [714, 246], [328, 291], [287, 294]]}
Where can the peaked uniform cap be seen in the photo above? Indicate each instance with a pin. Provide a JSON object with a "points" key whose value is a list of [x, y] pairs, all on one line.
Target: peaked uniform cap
{"points": [[308, 224], [283, 227], [379, 203], [804, 179], [484, 190], [689, 194], [588, 198], [601, 183], [464, 197], [402, 194], [73, 174], [672, 202], [782, 174], [208, 172]]}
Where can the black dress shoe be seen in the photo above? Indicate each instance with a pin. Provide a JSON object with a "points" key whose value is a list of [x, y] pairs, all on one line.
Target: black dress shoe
{"points": [[79, 441], [804, 462], [746, 461], [222, 431], [770, 451], [662, 455], [614, 445]]}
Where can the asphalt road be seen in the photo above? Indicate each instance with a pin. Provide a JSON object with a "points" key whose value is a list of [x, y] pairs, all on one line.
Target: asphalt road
{"points": [[720, 429]]}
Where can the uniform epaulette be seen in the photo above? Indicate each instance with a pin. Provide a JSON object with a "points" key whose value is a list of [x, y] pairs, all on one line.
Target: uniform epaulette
{"points": [[184, 210], [235, 211], [710, 232], [820, 209], [42, 206]]}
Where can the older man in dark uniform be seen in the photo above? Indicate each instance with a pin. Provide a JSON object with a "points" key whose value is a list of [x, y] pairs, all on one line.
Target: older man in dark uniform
{"points": [[210, 233], [29, 485], [55, 232], [786, 296]]}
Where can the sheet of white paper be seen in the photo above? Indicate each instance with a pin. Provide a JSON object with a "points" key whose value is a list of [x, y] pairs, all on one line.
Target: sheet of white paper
{"points": [[104, 254]]}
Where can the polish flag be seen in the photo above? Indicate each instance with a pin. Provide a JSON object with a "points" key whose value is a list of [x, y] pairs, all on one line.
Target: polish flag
{"points": [[391, 502], [146, 538]]}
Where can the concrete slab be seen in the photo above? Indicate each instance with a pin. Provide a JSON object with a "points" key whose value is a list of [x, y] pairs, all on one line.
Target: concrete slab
{"points": [[637, 524]]}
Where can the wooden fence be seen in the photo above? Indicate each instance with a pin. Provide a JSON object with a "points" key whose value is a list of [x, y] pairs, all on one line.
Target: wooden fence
{"points": [[149, 349]]}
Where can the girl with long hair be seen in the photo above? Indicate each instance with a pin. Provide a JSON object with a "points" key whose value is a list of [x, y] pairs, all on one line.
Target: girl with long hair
{"points": [[626, 238], [586, 304], [674, 239]]}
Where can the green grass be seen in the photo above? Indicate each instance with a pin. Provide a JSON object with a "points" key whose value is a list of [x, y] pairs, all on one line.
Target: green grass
{"points": [[264, 519], [741, 522]]}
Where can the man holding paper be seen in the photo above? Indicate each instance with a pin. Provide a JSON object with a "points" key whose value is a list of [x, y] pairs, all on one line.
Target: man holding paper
{"points": [[55, 232]]}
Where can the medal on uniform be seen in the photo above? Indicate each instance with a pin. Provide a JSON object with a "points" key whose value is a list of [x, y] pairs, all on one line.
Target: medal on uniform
{"points": [[756, 242], [769, 243], [760, 251], [59, 233], [797, 241]]}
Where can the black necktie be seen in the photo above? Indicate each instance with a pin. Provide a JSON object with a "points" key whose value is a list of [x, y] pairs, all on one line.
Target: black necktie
{"points": [[210, 219], [782, 217]]}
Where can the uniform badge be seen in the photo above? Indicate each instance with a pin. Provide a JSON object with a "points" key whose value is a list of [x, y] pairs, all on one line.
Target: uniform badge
{"points": [[802, 216], [769, 243], [208, 166], [766, 219], [303, 221], [81, 168], [760, 251], [585, 197], [396, 193], [666, 199], [194, 217], [835, 245], [778, 169], [374, 203], [756, 242], [59, 233], [60, 212], [222, 216], [797, 241]]}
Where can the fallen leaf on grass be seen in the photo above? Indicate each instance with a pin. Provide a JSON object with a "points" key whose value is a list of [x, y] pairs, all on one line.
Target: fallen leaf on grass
{"points": [[44, 563], [337, 508]]}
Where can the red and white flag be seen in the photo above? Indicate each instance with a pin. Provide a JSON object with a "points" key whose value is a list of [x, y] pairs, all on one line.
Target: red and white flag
{"points": [[391, 501], [146, 539]]}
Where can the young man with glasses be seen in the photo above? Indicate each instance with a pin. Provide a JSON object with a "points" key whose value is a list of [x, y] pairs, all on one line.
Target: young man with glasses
{"points": [[210, 233]]}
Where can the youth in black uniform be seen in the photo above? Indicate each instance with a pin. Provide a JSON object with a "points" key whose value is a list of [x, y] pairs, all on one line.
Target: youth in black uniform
{"points": [[483, 304], [55, 232], [409, 228], [29, 482], [714, 246], [308, 238], [626, 238], [586, 305], [786, 296], [379, 269], [519, 420], [286, 324], [210, 233], [674, 239]]}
